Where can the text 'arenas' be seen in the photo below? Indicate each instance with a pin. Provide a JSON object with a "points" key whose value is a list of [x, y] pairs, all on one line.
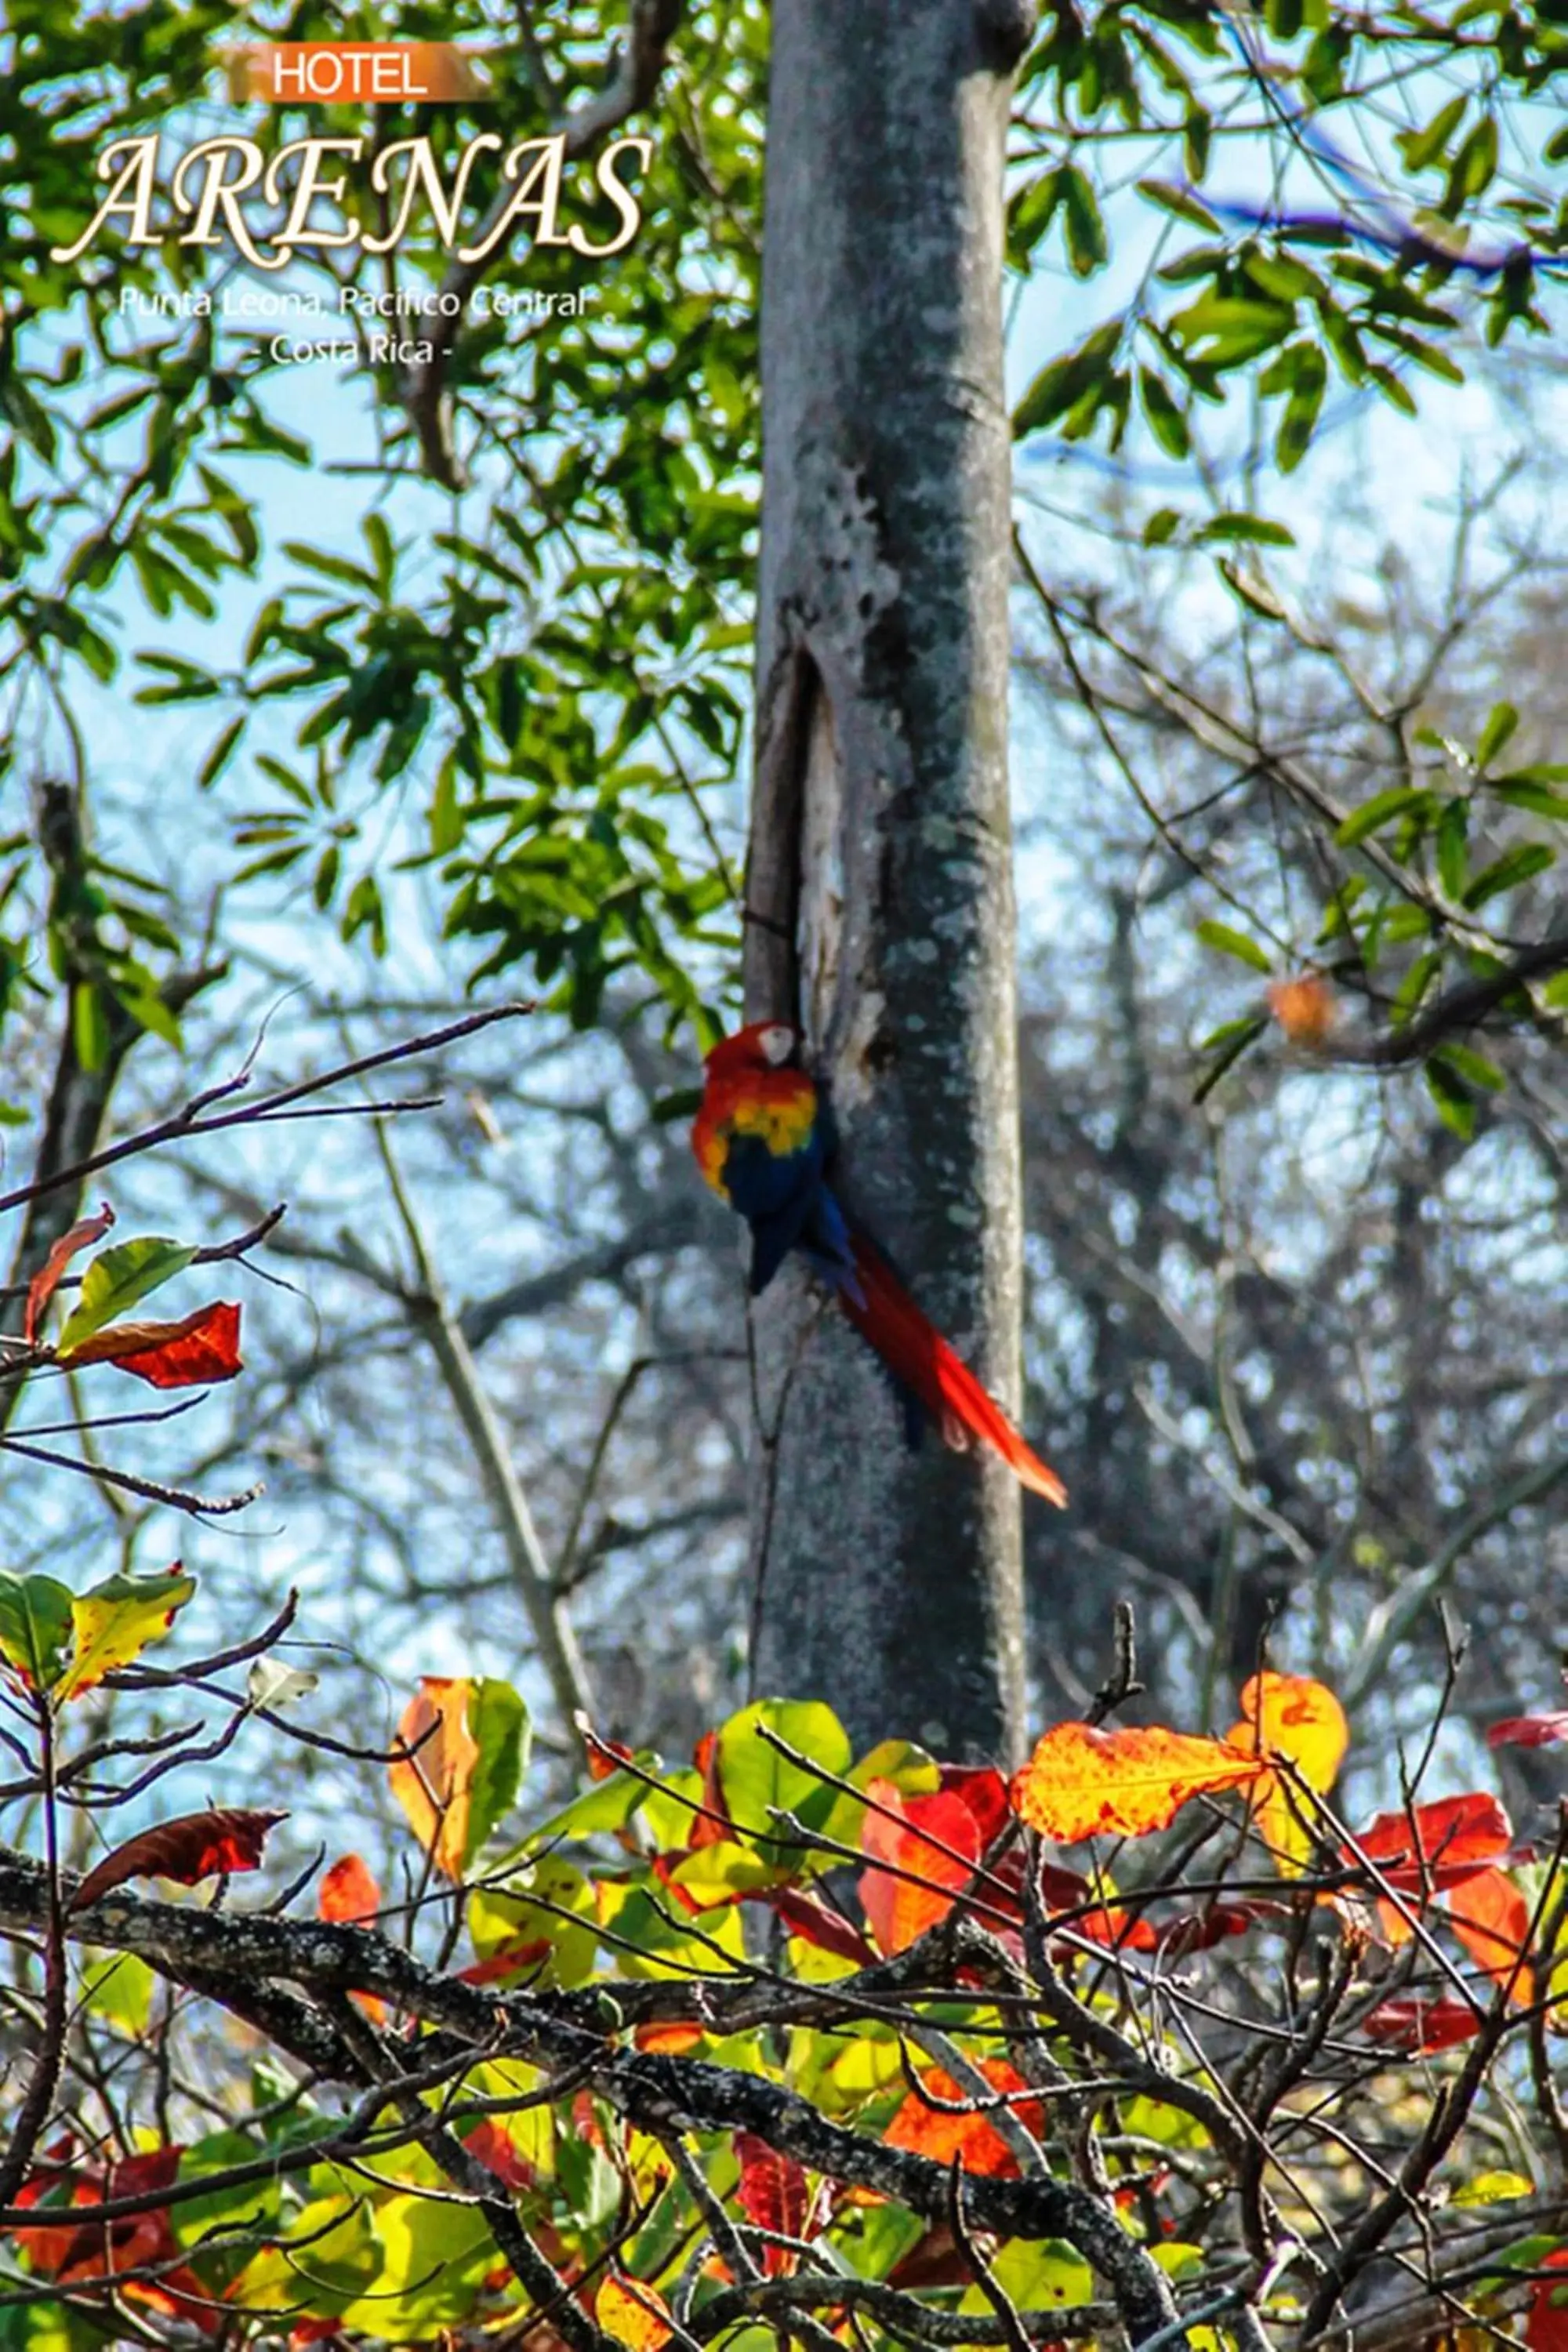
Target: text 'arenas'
{"points": [[219, 186]]}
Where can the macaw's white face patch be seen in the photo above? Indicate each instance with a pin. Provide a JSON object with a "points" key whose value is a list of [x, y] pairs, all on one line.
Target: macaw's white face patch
{"points": [[778, 1043]]}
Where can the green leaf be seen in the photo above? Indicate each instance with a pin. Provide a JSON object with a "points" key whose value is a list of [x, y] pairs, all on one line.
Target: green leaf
{"points": [[383, 554], [1162, 525], [1087, 249], [1400, 799], [1227, 1043], [1474, 166], [90, 1025], [1519, 865], [1173, 198], [1419, 148], [529, 1911], [497, 1719], [116, 1620], [755, 1777], [250, 2205], [1501, 723], [1231, 526], [1036, 2274], [218, 758], [1064, 382], [34, 1627], [1455, 1105], [1166, 421], [1474, 1068], [117, 1278], [331, 567], [118, 1986], [1413, 988], [447, 826], [1453, 848], [1234, 943], [1302, 407], [1525, 789]]}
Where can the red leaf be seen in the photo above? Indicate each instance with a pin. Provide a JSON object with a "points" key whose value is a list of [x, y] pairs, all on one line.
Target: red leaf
{"points": [[190, 1848], [983, 1790], [706, 1830], [605, 1757], [934, 1839], [46, 1282], [1439, 1844], [1546, 2322], [348, 1894], [772, 2193], [1528, 1730], [200, 1348], [808, 1916], [1422, 2026], [497, 2154], [1177, 1937], [506, 1960]]}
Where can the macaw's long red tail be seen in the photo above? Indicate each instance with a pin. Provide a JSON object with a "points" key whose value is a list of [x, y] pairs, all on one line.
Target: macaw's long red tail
{"points": [[920, 1359]]}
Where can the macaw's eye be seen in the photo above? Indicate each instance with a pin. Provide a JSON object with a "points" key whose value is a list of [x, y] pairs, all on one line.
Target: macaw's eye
{"points": [[778, 1044]]}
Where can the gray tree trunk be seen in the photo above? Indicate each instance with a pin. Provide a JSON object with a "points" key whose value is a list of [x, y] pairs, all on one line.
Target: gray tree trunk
{"points": [[880, 888]]}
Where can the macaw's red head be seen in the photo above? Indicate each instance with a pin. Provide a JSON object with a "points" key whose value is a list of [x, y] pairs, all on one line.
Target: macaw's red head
{"points": [[762, 1046]]}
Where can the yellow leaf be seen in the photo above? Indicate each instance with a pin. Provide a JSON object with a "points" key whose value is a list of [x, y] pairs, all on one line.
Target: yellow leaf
{"points": [[116, 1621], [634, 2314], [1123, 1782], [433, 1783], [1493, 2189], [1293, 1716]]}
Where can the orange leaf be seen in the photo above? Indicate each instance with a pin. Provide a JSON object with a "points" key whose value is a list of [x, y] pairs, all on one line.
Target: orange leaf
{"points": [[898, 1909], [1492, 1918], [349, 1896], [1305, 1007], [46, 1282], [433, 1783], [348, 1893], [198, 1349], [192, 1847], [674, 2036], [1125, 1783], [635, 2315], [1293, 1716], [928, 2127]]}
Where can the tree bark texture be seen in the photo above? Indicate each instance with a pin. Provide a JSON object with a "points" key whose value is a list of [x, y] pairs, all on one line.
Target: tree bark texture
{"points": [[880, 888]]}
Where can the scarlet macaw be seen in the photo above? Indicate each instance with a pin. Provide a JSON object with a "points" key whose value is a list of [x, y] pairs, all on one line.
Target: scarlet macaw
{"points": [[763, 1138]]}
